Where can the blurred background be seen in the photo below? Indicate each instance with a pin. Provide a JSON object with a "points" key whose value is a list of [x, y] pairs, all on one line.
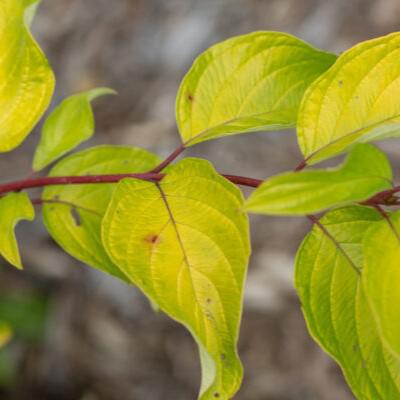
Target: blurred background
{"points": [[80, 335]]}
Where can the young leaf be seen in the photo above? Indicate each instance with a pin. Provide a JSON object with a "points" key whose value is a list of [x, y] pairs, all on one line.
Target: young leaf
{"points": [[357, 100], [28, 81], [73, 213], [328, 280], [381, 278], [13, 208], [70, 124], [248, 83], [185, 243], [365, 172]]}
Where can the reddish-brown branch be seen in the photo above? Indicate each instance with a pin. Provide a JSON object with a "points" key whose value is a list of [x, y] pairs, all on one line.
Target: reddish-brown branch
{"points": [[176, 153], [97, 179]]}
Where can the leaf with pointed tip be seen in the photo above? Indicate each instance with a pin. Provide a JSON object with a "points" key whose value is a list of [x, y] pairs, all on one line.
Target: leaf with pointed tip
{"points": [[70, 124], [185, 243], [329, 267], [14, 207], [381, 278], [357, 100], [27, 79], [365, 172], [249, 83], [73, 213], [30, 11]]}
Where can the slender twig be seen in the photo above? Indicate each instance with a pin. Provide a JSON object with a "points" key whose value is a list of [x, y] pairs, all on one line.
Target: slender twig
{"points": [[17, 186], [176, 153]]}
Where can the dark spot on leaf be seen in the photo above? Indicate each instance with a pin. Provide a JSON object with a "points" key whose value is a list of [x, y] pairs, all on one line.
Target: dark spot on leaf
{"points": [[223, 357], [76, 217], [190, 97], [152, 239], [56, 197], [209, 301], [340, 83], [216, 394]]}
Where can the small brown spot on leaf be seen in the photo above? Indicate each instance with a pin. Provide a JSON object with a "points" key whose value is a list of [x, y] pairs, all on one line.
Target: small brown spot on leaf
{"points": [[209, 301], [152, 239], [216, 395], [340, 83], [190, 97], [223, 357]]}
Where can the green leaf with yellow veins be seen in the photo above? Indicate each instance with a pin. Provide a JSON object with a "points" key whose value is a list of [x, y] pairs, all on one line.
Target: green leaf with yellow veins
{"points": [[28, 80], [14, 207], [249, 83], [329, 271], [185, 243], [71, 123], [357, 100], [73, 213], [381, 278], [365, 172]]}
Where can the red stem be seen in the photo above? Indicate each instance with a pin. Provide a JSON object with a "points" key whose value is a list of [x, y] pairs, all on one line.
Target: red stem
{"points": [[176, 153], [96, 179]]}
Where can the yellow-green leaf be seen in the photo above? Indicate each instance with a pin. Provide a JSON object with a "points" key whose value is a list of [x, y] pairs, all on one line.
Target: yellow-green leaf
{"points": [[329, 270], [381, 278], [73, 213], [14, 207], [357, 100], [185, 243], [27, 79], [70, 124], [248, 83], [365, 172], [6, 333]]}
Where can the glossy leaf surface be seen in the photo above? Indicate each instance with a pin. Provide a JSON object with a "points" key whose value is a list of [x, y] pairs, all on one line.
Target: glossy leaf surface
{"points": [[27, 79], [249, 83], [185, 243], [74, 212], [365, 172], [14, 207], [329, 267], [71, 123], [357, 100]]}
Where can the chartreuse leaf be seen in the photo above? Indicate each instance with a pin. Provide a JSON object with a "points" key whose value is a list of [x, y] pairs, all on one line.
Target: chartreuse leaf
{"points": [[27, 79], [357, 100], [14, 207], [249, 83], [30, 11], [185, 243], [365, 172], [381, 278], [329, 269], [73, 213], [70, 124]]}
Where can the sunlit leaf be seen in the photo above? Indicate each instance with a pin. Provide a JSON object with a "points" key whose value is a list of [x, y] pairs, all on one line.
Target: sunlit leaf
{"points": [[365, 172], [70, 124], [381, 279], [27, 81], [6, 333], [248, 83], [185, 243], [73, 213], [329, 267], [14, 207], [357, 100]]}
